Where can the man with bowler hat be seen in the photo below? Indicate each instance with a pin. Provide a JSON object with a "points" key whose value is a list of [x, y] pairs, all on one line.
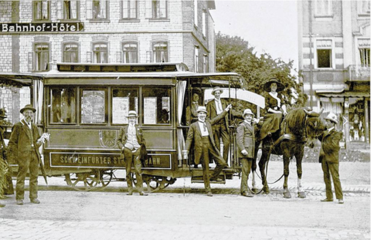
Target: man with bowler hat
{"points": [[329, 158], [200, 134], [220, 130], [24, 143], [131, 143], [246, 145]]}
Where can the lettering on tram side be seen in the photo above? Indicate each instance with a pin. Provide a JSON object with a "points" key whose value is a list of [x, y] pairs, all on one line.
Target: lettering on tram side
{"points": [[158, 161], [86, 160]]}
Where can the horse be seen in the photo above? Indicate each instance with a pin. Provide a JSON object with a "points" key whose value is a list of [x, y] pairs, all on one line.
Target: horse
{"points": [[299, 127]]}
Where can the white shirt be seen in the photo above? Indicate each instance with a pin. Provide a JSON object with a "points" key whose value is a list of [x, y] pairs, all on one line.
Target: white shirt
{"points": [[218, 105], [329, 130], [203, 128], [132, 136]]}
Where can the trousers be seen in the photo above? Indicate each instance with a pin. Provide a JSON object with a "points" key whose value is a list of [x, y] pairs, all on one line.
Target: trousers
{"points": [[246, 168], [27, 164], [133, 158], [207, 150], [333, 170]]}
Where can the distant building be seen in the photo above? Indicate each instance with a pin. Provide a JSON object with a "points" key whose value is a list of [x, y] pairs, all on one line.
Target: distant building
{"points": [[35, 33], [334, 58]]}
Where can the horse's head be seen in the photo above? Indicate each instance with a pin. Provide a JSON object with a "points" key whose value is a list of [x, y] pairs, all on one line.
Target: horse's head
{"points": [[315, 125]]}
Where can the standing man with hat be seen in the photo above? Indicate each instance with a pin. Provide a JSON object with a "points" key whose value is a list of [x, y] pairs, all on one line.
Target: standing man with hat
{"points": [[200, 134], [329, 157], [24, 143], [220, 130], [246, 145], [3, 164], [131, 143]]}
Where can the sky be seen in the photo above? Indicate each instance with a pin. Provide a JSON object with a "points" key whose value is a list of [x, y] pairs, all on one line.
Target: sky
{"points": [[268, 25]]}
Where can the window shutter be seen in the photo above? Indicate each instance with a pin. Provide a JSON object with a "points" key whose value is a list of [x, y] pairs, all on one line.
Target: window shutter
{"points": [[118, 57], [149, 9], [59, 9], [89, 9], [31, 62], [89, 57]]}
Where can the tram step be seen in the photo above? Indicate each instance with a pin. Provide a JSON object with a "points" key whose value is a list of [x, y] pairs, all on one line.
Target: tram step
{"points": [[200, 179]]}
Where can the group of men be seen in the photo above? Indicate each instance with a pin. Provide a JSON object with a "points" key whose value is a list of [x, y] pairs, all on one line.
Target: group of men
{"points": [[204, 135]]}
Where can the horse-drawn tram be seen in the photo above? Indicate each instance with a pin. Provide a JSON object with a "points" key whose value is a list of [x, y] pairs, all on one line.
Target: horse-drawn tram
{"points": [[82, 107]]}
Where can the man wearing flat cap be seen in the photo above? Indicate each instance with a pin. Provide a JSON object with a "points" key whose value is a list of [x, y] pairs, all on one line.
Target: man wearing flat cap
{"points": [[329, 158], [220, 130], [200, 134], [24, 143], [131, 143]]}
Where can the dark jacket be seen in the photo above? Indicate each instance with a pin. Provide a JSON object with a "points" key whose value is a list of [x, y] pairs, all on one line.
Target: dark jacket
{"points": [[271, 102], [20, 141], [246, 139], [330, 146], [194, 135], [123, 137], [212, 113]]}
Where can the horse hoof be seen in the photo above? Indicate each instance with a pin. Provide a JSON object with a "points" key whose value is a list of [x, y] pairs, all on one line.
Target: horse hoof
{"points": [[266, 190], [301, 195], [286, 195], [254, 190]]}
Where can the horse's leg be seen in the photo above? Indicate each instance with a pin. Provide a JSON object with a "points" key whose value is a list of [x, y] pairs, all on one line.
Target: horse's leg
{"points": [[262, 165], [299, 158], [286, 168]]}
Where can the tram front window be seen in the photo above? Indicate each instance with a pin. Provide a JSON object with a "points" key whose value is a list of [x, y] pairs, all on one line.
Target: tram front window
{"points": [[63, 105], [123, 100], [156, 105], [93, 106]]}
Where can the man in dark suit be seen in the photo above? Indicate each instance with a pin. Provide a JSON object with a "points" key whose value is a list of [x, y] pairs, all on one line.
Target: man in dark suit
{"points": [[220, 130], [246, 145], [329, 157], [200, 133], [130, 140], [24, 143]]}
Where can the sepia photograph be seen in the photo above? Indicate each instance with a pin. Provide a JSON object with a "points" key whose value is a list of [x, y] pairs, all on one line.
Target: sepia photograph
{"points": [[184, 119]]}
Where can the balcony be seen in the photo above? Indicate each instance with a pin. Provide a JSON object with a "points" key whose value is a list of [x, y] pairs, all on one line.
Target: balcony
{"points": [[359, 73]]}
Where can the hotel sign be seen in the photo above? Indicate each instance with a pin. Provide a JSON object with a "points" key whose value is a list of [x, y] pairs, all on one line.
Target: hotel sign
{"points": [[41, 27]]}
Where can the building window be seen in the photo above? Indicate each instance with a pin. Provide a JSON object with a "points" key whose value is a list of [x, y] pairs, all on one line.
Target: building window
{"points": [[41, 10], [196, 59], [364, 52], [129, 9], [159, 9], [70, 52], [156, 105], [205, 67], [100, 9], [160, 53], [70, 10], [364, 7], [324, 53], [323, 7], [100, 53], [204, 23], [63, 109], [41, 56], [195, 12], [130, 52]]}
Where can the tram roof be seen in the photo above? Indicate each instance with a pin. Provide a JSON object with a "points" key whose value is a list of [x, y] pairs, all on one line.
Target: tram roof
{"points": [[18, 79]]}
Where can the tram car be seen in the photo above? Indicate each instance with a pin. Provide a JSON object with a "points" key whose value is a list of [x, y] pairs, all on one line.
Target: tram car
{"points": [[82, 106]]}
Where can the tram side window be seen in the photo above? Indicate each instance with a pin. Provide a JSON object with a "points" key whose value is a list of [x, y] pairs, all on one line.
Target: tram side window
{"points": [[93, 106], [156, 105], [123, 101], [63, 105]]}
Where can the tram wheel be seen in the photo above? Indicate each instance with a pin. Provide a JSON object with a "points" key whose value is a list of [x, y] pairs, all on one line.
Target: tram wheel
{"points": [[106, 177], [71, 179], [92, 179]]}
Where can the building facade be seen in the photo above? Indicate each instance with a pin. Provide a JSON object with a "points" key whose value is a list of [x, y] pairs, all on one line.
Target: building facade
{"points": [[334, 59], [35, 33]]}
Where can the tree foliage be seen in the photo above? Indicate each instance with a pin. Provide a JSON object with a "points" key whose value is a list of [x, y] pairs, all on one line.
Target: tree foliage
{"points": [[233, 54]]}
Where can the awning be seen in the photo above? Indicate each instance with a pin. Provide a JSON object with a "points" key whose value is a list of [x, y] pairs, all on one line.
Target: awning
{"points": [[17, 79], [241, 94]]}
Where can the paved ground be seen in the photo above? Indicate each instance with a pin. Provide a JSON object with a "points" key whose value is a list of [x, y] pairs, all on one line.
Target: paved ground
{"points": [[182, 211]]}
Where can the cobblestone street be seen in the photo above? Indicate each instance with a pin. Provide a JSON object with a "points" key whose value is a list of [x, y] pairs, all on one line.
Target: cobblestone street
{"points": [[183, 211]]}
